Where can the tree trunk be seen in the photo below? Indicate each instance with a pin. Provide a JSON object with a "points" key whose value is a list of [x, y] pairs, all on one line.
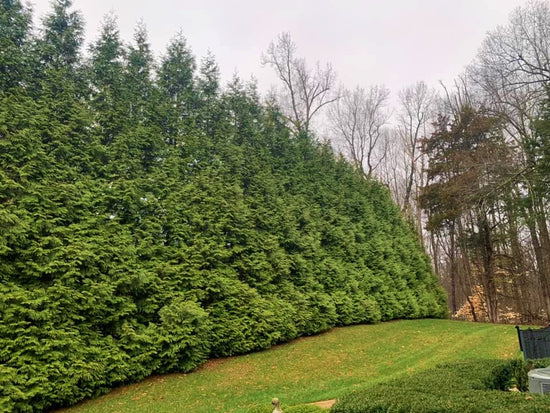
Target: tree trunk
{"points": [[435, 253], [453, 268], [545, 253], [541, 259], [487, 252], [519, 281]]}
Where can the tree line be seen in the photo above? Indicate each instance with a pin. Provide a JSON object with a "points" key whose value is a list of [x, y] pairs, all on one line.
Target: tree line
{"points": [[151, 217], [485, 192], [468, 166]]}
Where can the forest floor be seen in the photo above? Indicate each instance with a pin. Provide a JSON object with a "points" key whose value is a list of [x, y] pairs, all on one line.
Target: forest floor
{"points": [[312, 369]]}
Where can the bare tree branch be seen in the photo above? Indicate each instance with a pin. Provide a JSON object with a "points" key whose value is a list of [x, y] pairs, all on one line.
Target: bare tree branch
{"points": [[358, 120], [304, 91]]}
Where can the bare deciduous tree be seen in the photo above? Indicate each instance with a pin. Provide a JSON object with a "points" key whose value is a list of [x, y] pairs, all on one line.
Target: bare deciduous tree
{"points": [[305, 91], [518, 54], [358, 120], [392, 170], [513, 70], [413, 119], [513, 67]]}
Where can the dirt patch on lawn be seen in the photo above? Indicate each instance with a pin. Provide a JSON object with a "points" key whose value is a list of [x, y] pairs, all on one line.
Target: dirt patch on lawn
{"points": [[325, 404]]}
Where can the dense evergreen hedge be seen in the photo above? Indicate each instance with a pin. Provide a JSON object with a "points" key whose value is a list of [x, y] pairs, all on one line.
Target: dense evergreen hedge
{"points": [[150, 220]]}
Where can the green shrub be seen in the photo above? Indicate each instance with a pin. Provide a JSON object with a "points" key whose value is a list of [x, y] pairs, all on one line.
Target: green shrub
{"points": [[451, 388], [371, 310], [514, 373], [182, 336]]}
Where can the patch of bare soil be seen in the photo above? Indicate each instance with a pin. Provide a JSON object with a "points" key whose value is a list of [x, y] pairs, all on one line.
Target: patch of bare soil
{"points": [[325, 404]]}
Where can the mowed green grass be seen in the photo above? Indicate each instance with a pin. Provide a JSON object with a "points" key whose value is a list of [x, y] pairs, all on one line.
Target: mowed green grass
{"points": [[311, 369]]}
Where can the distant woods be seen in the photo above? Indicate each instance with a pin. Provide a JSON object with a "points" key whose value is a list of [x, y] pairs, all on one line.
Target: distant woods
{"points": [[152, 217], [484, 192], [469, 166]]}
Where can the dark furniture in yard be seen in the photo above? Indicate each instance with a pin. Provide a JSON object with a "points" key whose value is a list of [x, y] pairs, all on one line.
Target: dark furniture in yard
{"points": [[534, 343]]}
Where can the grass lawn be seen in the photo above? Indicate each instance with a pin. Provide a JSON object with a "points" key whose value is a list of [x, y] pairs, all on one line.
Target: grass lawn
{"points": [[310, 369]]}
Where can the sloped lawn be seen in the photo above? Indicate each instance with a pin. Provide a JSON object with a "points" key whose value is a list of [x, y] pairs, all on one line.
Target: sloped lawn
{"points": [[322, 367]]}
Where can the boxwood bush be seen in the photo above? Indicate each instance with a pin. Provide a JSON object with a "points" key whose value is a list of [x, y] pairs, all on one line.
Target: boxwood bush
{"points": [[465, 386], [514, 373]]}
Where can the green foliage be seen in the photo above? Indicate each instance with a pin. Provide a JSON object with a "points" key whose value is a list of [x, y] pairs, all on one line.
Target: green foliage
{"points": [[150, 219], [15, 26], [182, 335], [514, 373], [465, 386]]}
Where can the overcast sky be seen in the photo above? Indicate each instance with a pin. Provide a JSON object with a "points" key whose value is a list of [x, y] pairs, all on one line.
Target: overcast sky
{"points": [[390, 42]]}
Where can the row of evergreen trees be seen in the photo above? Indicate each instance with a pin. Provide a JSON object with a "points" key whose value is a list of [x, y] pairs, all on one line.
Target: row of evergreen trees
{"points": [[150, 219]]}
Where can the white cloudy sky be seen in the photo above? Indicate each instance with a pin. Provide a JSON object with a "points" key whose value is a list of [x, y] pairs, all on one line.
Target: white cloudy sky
{"points": [[391, 42]]}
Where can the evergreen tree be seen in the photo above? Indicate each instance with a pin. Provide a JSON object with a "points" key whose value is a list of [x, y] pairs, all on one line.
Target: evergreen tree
{"points": [[139, 71], [139, 142], [62, 37], [467, 160], [106, 71], [175, 81], [209, 78], [15, 33], [208, 86], [59, 88]]}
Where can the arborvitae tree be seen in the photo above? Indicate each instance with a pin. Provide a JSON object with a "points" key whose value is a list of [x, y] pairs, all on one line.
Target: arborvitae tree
{"points": [[208, 88], [139, 143], [208, 82], [59, 85], [175, 81], [242, 103], [106, 82], [176, 72], [138, 79], [15, 32], [62, 37]]}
